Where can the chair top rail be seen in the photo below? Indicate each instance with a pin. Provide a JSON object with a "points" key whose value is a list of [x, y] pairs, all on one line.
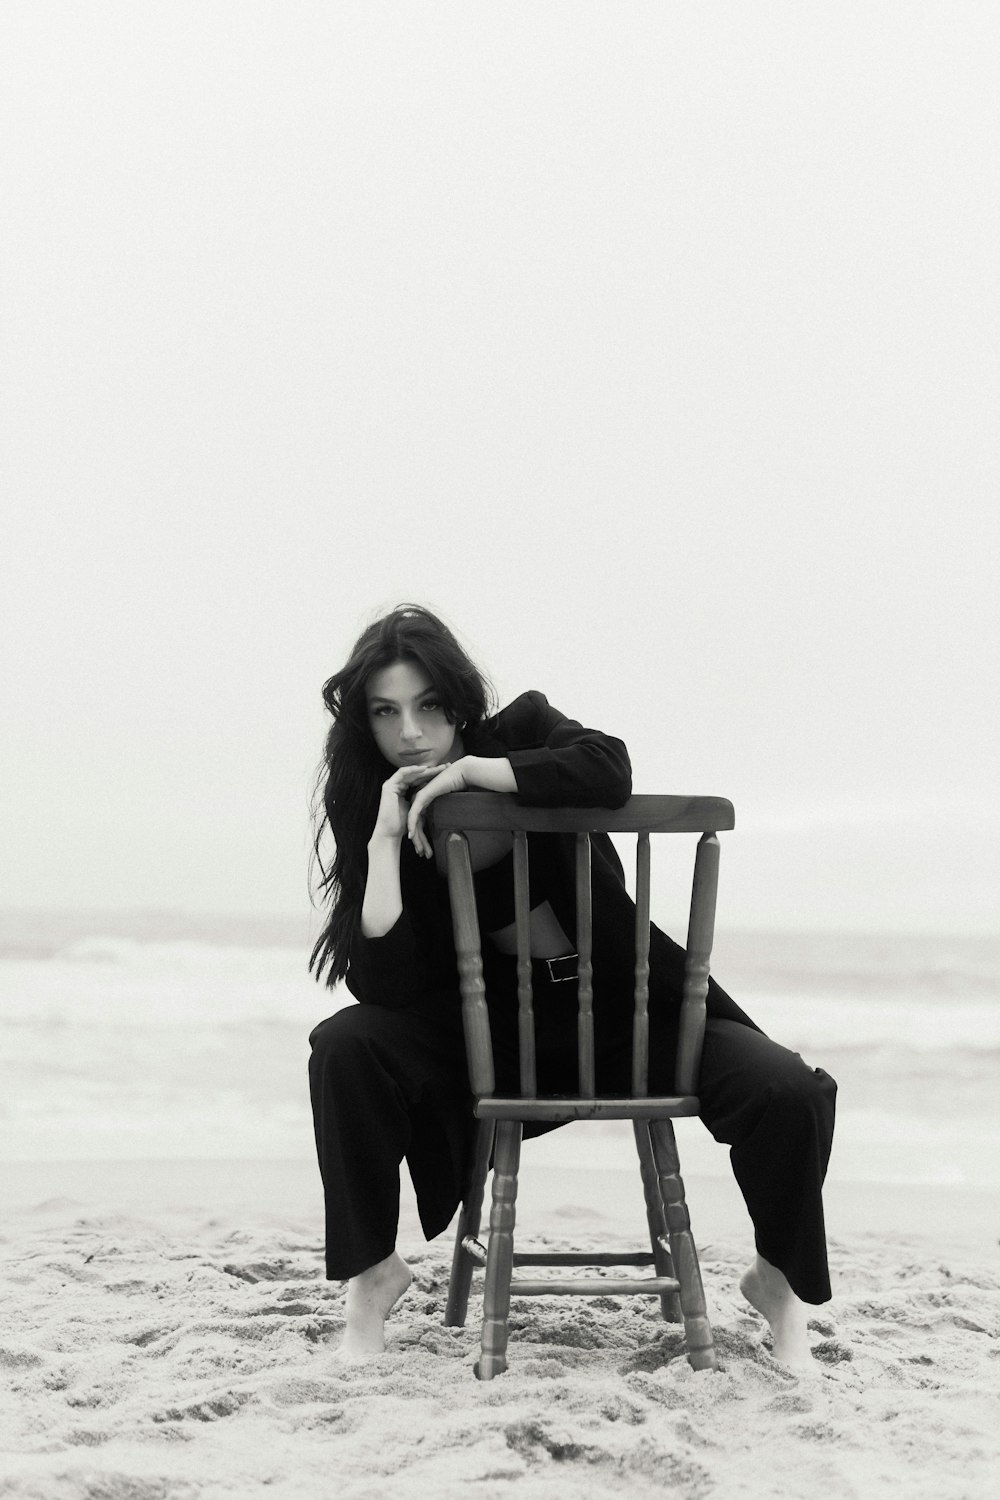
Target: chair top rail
{"points": [[641, 813]]}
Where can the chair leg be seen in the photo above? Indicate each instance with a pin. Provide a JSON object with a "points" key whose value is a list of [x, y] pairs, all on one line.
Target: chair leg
{"points": [[670, 1305], [462, 1265], [500, 1251], [697, 1329]]}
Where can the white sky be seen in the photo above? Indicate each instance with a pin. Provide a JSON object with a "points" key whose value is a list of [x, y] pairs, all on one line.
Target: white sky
{"points": [[653, 344]]}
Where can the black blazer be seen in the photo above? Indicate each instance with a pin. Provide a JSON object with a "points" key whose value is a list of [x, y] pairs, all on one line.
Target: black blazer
{"points": [[557, 762]]}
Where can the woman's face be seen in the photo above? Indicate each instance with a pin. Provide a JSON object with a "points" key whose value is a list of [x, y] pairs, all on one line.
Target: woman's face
{"points": [[407, 718]]}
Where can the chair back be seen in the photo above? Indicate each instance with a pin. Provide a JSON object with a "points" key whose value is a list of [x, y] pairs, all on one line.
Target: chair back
{"points": [[464, 812]]}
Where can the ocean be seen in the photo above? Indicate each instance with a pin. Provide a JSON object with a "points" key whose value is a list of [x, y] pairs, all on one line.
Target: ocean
{"points": [[132, 1036]]}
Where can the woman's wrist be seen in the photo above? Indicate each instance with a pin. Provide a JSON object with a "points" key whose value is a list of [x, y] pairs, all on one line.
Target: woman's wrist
{"points": [[489, 773], [380, 840], [383, 900]]}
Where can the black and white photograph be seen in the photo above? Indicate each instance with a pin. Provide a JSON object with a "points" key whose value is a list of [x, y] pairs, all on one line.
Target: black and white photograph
{"points": [[499, 800]]}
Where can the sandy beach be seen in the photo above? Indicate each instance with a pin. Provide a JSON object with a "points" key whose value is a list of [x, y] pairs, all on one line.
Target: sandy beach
{"points": [[167, 1334]]}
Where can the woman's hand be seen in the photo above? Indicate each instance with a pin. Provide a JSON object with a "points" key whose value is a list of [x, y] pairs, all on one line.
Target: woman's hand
{"points": [[451, 777], [487, 774], [394, 803]]}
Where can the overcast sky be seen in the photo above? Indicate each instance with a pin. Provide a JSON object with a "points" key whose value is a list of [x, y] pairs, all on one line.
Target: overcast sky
{"points": [[655, 345]]}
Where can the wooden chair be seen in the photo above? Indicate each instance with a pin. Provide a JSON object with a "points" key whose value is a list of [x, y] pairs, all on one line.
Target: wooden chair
{"points": [[677, 1279]]}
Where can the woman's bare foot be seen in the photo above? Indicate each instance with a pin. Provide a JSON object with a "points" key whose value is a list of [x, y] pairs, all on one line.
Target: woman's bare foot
{"points": [[766, 1289], [370, 1298]]}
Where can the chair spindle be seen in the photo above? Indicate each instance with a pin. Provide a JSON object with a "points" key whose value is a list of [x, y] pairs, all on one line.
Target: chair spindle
{"points": [[475, 1016], [525, 997], [701, 931], [584, 947], [640, 1020]]}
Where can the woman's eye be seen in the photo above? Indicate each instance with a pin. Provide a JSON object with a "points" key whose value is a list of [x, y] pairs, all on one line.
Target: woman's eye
{"points": [[432, 706], [383, 710]]}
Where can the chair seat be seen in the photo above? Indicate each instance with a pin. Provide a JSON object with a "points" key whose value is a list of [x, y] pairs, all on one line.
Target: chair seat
{"points": [[557, 1107]]}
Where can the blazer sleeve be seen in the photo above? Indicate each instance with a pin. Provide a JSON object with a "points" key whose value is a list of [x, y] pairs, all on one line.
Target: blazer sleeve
{"points": [[559, 763], [417, 954], [386, 970]]}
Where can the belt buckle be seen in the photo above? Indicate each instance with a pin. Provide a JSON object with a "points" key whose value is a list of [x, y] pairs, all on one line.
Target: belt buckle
{"points": [[569, 962]]}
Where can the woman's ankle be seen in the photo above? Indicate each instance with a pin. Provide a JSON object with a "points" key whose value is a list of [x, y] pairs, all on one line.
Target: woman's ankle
{"points": [[371, 1296]]}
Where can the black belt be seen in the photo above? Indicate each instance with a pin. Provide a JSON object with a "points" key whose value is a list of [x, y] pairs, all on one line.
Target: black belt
{"points": [[558, 970]]}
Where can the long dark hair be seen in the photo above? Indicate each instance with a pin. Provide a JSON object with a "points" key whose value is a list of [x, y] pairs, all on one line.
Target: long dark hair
{"points": [[349, 783]]}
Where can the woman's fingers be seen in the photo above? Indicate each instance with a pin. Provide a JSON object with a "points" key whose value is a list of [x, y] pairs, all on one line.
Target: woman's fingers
{"points": [[397, 791], [415, 829], [427, 792], [415, 819], [408, 775]]}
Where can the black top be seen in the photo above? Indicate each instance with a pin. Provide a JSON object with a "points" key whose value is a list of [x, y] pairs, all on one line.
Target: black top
{"points": [[556, 763]]}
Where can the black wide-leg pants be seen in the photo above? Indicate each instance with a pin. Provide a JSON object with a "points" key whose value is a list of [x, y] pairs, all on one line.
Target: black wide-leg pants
{"points": [[392, 1084]]}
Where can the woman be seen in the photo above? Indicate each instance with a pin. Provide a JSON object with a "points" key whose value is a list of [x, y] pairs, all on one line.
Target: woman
{"points": [[388, 1076]]}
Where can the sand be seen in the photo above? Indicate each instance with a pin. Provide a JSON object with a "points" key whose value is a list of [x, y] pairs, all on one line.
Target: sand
{"points": [[166, 1334]]}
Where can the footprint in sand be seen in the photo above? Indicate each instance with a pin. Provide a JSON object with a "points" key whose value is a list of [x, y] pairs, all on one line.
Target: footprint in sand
{"points": [[833, 1352], [223, 1404], [281, 1269], [320, 1403]]}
